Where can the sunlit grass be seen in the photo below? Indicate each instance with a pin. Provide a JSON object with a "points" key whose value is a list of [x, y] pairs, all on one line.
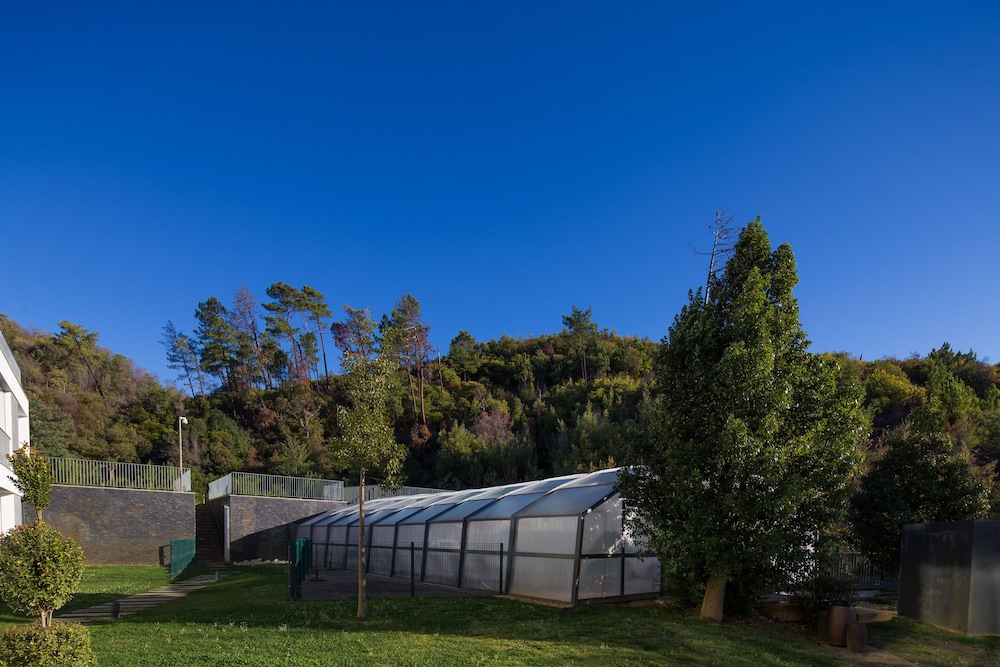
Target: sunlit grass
{"points": [[247, 619]]}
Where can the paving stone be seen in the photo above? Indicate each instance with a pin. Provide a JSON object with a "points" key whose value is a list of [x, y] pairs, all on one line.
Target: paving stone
{"points": [[137, 602]]}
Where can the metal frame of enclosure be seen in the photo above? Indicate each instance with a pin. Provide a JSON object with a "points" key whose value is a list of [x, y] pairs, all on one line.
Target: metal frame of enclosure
{"points": [[562, 539]]}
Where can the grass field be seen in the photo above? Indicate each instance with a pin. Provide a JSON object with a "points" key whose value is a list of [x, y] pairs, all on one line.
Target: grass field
{"points": [[247, 619]]}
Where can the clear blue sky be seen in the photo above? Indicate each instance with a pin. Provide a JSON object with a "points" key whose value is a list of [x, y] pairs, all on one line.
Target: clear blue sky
{"points": [[501, 161]]}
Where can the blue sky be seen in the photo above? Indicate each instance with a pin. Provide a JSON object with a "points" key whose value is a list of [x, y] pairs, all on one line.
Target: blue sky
{"points": [[501, 161]]}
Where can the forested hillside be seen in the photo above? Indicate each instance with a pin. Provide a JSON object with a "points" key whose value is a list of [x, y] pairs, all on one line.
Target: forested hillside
{"points": [[259, 384]]}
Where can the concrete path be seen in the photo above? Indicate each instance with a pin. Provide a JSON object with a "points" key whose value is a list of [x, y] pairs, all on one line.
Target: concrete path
{"points": [[138, 602]]}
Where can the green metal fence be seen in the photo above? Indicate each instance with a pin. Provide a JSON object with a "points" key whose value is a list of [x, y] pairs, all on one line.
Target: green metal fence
{"points": [[181, 555], [299, 564]]}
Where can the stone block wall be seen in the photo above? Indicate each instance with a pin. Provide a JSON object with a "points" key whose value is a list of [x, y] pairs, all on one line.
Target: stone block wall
{"points": [[119, 526], [264, 527]]}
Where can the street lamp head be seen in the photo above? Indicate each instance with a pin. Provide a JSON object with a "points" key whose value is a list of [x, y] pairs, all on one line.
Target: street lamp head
{"points": [[182, 420]]}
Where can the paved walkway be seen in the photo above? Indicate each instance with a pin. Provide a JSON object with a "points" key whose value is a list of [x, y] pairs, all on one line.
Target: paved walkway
{"points": [[138, 602]]}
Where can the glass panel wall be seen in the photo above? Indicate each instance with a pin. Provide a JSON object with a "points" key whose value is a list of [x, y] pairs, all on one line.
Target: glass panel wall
{"points": [[564, 530], [541, 577], [546, 535]]}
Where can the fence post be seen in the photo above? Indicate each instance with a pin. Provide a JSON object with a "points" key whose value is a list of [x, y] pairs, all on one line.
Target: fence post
{"points": [[291, 570]]}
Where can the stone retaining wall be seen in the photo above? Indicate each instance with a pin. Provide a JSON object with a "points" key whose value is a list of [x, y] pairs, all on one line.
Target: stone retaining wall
{"points": [[262, 528], [119, 526]]}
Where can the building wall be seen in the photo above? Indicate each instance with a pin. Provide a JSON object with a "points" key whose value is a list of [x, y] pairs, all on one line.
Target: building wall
{"points": [[264, 527], [120, 526], [13, 434]]}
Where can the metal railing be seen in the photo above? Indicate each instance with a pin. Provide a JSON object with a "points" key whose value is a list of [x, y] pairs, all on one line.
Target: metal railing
{"points": [[10, 358], [854, 569], [118, 475], [275, 486]]}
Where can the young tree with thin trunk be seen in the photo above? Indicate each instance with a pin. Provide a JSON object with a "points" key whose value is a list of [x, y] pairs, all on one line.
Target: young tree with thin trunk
{"points": [[366, 438], [752, 442], [39, 568]]}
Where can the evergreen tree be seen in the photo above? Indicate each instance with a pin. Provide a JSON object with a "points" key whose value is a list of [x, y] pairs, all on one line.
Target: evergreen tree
{"points": [[752, 446], [920, 477], [582, 332]]}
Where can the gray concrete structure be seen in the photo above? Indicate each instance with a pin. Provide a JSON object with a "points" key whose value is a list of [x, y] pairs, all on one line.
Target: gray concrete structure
{"points": [[119, 526], [260, 527], [950, 575]]}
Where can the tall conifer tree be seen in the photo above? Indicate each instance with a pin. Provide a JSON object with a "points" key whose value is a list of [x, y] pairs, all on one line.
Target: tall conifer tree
{"points": [[752, 446]]}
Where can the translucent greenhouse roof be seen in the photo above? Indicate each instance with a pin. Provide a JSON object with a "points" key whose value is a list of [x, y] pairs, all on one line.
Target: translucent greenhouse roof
{"points": [[506, 507], [444, 505], [566, 495], [500, 491], [398, 516], [334, 516], [574, 500], [462, 510], [546, 484], [609, 477]]}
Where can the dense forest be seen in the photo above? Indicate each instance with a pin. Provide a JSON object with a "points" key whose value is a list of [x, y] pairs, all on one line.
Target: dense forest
{"points": [[259, 385]]}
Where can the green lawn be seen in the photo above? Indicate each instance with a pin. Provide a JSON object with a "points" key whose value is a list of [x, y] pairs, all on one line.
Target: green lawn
{"points": [[247, 619], [104, 583]]}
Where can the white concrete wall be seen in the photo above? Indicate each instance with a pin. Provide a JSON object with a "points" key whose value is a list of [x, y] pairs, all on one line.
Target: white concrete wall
{"points": [[14, 429]]}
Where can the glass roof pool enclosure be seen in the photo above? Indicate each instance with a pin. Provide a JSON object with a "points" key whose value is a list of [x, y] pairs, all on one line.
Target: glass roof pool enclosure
{"points": [[561, 539]]}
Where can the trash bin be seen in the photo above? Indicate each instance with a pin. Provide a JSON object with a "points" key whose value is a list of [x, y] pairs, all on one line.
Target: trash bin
{"points": [[821, 613], [857, 637], [838, 616]]}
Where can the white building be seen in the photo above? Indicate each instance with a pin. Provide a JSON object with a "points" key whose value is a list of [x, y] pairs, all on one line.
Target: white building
{"points": [[13, 434]]}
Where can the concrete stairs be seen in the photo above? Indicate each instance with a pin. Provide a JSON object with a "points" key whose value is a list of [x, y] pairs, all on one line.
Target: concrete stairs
{"points": [[208, 541]]}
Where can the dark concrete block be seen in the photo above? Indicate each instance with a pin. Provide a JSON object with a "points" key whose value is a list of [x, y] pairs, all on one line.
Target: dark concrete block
{"points": [[950, 575], [262, 527]]}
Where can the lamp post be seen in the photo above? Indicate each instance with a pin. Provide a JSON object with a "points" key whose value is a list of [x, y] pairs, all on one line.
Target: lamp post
{"points": [[180, 443]]}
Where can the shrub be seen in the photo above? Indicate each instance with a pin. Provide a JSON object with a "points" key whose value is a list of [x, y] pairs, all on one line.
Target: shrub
{"points": [[39, 569], [815, 594], [61, 645]]}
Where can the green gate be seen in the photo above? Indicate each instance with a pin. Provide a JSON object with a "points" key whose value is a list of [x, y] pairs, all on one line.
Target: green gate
{"points": [[299, 564], [181, 555]]}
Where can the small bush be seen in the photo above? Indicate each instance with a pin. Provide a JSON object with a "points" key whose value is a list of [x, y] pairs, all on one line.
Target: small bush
{"points": [[39, 569], [59, 645], [813, 594]]}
